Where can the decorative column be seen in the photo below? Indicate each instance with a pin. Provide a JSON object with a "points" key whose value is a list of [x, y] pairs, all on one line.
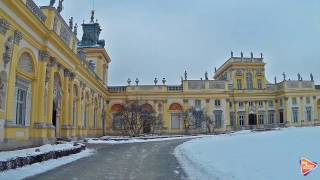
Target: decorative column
{"points": [[65, 107], [71, 99], [43, 60], [50, 81], [227, 112]]}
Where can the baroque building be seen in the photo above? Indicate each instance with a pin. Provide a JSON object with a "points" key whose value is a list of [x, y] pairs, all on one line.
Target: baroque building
{"points": [[53, 85]]}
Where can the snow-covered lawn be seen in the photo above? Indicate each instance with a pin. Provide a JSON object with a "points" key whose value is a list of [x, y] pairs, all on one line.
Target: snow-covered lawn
{"points": [[272, 155], [7, 155], [127, 140], [38, 168]]}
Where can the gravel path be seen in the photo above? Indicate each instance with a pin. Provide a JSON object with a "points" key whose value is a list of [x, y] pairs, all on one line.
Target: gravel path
{"points": [[143, 161]]}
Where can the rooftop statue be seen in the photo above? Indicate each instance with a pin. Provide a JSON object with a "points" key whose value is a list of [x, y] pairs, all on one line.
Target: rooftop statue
{"points": [[206, 76], [311, 77], [52, 2], [185, 75], [284, 76], [60, 6]]}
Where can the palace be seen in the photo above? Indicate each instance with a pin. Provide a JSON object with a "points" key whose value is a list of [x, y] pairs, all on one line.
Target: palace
{"points": [[53, 85]]}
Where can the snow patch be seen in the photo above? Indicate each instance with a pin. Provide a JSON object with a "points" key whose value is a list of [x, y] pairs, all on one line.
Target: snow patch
{"points": [[251, 155], [38, 168]]}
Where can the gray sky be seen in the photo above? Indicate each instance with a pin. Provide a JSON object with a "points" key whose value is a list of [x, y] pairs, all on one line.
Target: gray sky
{"points": [[148, 38]]}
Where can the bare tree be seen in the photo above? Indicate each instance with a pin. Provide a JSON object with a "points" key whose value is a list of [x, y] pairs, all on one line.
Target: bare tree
{"points": [[133, 120], [197, 119]]}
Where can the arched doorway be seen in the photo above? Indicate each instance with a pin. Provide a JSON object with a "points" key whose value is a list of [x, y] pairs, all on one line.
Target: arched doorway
{"points": [[147, 115], [252, 119], [56, 107]]}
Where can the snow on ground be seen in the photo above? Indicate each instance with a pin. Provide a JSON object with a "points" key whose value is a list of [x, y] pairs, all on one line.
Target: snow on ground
{"points": [[38, 168], [105, 140], [6, 155], [251, 156]]}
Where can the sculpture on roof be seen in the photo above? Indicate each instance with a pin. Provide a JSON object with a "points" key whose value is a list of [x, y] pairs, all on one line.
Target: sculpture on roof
{"points": [[299, 77], [206, 75], [284, 76], [231, 53], [185, 75], [275, 80], [311, 77], [60, 6], [52, 2]]}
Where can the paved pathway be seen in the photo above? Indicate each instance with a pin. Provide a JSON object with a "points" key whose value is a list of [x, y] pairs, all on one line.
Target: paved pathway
{"points": [[142, 161]]}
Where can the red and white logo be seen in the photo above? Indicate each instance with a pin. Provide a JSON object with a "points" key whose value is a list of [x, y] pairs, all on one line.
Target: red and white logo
{"points": [[307, 166]]}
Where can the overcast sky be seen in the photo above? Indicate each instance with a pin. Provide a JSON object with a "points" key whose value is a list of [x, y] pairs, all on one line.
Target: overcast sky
{"points": [[162, 38]]}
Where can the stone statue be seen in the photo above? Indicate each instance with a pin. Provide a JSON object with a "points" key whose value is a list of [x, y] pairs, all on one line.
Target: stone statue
{"points": [[137, 81], [299, 77], [185, 75], [206, 76], [284, 76], [181, 79], [231, 53], [275, 80], [311, 77], [60, 6], [261, 55], [129, 81], [251, 55], [164, 81], [155, 81], [215, 69], [241, 54], [92, 16], [75, 29], [71, 23], [8, 49], [52, 2]]}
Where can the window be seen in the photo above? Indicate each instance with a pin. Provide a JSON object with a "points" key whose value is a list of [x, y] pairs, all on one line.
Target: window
{"points": [[308, 100], [74, 113], [230, 104], [241, 119], [249, 81], [261, 118], [176, 120], [294, 101], [250, 104], [259, 84], [217, 102], [271, 117], [94, 117], [232, 118], [21, 106], [197, 104], [22, 102], [308, 113], [241, 104], [270, 104], [260, 104], [239, 84], [75, 106], [218, 119], [281, 102], [117, 121], [295, 114]]}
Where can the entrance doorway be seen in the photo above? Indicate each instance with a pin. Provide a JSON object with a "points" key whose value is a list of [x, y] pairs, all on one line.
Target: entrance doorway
{"points": [[146, 127], [55, 119], [281, 117], [252, 119]]}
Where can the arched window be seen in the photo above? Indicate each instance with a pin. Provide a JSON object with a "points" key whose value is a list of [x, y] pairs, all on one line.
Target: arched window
{"points": [[176, 116], [25, 63], [86, 110], [95, 111], [23, 91], [249, 81], [116, 110]]}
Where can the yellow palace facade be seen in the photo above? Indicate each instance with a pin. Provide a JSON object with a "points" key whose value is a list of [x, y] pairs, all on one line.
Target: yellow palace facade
{"points": [[53, 85]]}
